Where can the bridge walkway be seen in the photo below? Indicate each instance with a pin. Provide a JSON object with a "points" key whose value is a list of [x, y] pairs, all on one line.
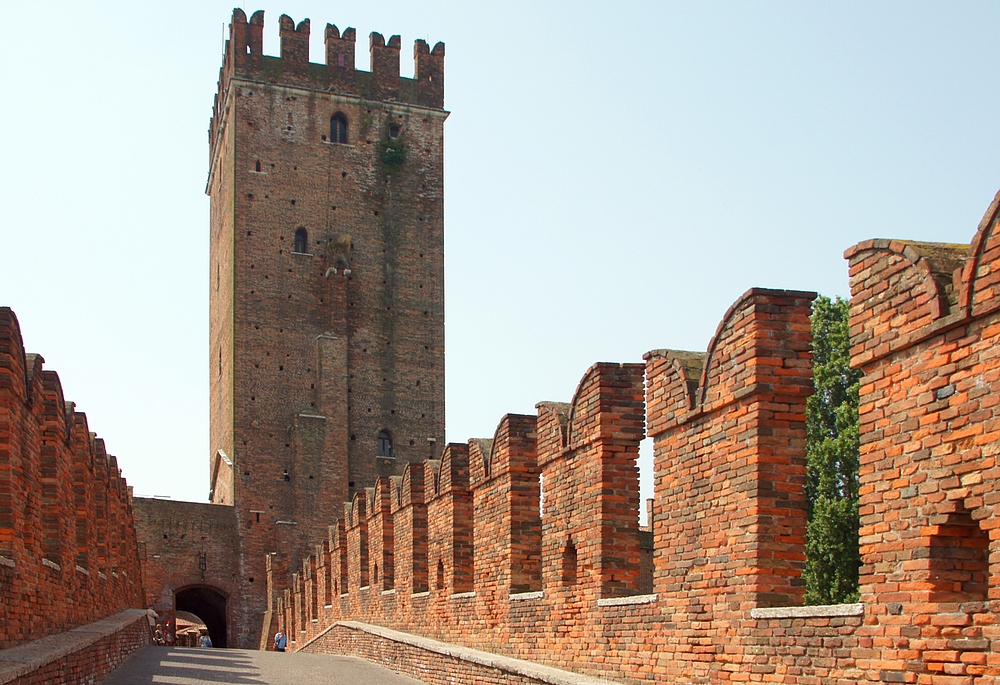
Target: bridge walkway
{"points": [[190, 666]]}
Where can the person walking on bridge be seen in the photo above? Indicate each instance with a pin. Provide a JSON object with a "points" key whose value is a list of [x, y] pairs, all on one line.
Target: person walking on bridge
{"points": [[280, 641]]}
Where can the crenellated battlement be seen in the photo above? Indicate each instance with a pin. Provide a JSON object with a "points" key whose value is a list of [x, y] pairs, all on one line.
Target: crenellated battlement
{"points": [[531, 539], [68, 552], [550, 502], [244, 59]]}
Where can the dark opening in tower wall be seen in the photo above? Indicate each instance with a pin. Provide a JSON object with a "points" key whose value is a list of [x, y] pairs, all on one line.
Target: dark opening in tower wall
{"points": [[209, 605]]}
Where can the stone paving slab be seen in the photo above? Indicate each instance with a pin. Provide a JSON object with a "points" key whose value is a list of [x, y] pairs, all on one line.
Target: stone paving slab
{"points": [[192, 666]]}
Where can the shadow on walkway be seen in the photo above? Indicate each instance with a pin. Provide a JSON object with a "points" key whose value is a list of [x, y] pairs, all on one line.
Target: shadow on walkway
{"points": [[191, 666]]}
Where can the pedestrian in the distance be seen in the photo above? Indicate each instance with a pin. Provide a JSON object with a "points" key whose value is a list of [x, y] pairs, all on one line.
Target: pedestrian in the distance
{"points": [[205, 641], [280, 641]]}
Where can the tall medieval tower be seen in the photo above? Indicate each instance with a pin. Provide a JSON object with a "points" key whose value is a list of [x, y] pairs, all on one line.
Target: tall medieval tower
{"points": [[327, 285]]}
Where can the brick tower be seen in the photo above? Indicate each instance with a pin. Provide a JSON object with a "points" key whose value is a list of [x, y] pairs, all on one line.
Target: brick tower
{"points": [[327, 286]]}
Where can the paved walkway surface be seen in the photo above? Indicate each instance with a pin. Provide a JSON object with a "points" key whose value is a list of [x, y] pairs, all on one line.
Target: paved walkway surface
{"points": [[190, 666]]}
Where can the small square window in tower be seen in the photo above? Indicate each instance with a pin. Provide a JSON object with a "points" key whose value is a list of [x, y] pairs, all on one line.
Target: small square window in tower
{"points": [[384, 444], [338, 128]]}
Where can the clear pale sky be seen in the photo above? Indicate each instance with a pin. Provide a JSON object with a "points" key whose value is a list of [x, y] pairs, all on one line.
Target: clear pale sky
{"points": [[617, 174]]}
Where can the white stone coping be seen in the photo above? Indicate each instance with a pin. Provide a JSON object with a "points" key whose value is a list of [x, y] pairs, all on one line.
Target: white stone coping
{"points": [[425, 593], [51, 564], [81, 569], [817, 611], [391, 591], [462, 595], [536, 594], [4, 561], [23, 659], [527, 669], [625, 601]]}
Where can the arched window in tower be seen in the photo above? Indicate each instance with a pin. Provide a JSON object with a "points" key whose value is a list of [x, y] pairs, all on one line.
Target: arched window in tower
{"points": [[301, 240], [384, 443], [338, 128]]}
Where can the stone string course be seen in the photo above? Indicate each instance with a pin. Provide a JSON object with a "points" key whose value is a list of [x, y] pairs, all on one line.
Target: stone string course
{"points": [[457, 549], [68, 551]]}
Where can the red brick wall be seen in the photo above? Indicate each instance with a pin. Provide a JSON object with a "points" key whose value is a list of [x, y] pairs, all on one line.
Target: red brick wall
{"points": [[185, 545], [924, 328], [561, 585], [730, 459], [68, 552], [79, 657]]}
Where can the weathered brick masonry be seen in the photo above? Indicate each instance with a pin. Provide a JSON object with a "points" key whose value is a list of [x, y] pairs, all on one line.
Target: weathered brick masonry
{"points": [[924, 326], [729, 510], [326, 304], [559, 583], [190, 560], [334, 501], [81, 656], [68, 551]]}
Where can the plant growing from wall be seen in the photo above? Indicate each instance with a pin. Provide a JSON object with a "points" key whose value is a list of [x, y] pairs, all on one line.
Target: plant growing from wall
{"points": [[832, 457], [393, 153]]}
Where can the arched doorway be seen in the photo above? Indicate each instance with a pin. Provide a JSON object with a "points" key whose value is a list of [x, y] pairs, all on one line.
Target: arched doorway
{"points": [[209, 605]]}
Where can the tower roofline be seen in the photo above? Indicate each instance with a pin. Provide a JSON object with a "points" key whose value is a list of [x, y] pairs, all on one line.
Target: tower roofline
{"points": [[244, 59]]}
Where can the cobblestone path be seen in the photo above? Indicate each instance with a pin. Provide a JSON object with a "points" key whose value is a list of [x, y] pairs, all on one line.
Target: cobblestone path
{"points": [[189, 666]]}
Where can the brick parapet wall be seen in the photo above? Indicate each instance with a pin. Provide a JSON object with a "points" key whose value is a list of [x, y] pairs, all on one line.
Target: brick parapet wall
{"points": [[558, 492], [434, 662], [80, 656], [730, 459], [68, 551], [924, 327]]}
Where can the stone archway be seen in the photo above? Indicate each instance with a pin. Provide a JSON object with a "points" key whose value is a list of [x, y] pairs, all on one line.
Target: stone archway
{"points": [[208, 604]]}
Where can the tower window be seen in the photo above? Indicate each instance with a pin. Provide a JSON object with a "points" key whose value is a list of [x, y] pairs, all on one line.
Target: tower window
{"points": [[338, 128], [394, 131], [384, 443], [258, 165], [301, 240]]}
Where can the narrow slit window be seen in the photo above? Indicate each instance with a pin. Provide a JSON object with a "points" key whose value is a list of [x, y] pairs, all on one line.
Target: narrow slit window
{"points": [[384, 444], [301, 240], [258, 165], [338, 128]]}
